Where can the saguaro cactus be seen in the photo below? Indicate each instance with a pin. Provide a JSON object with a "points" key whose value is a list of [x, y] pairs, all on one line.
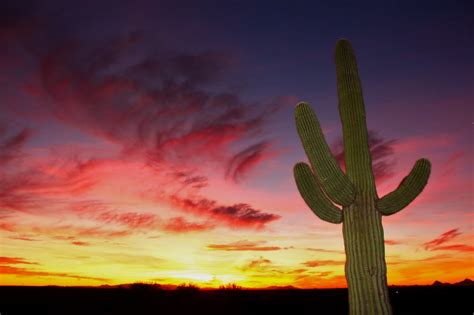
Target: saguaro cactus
{"points": [[324, 184]]}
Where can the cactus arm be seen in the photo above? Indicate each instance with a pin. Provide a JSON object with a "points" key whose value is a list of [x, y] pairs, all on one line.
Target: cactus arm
{"points": [[314, 197], [334, 182], [409, 188], [353, 118]]}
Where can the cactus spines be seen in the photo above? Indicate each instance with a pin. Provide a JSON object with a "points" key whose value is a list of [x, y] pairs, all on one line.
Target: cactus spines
{"points": [[324, 183]]}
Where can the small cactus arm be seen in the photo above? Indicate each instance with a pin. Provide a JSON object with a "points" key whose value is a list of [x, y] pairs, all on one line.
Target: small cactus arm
{"points": [[324, 184]]}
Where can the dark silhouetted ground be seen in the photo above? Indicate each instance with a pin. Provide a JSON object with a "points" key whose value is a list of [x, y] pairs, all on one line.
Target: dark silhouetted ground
{"points": [[143, 299]]}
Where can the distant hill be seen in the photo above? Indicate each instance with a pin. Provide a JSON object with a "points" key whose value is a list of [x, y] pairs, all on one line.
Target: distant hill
{"points": [[464, 283]]}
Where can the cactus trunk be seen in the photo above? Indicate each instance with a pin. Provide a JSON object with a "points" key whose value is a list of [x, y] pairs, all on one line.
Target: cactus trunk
{"points": [[365, 257], [366, 272], [324, 184]]}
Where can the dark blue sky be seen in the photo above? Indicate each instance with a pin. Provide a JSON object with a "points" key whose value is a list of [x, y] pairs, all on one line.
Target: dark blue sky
{"points": [[415, 57]]}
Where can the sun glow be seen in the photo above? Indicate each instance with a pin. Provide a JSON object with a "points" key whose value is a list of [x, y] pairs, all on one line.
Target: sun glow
{"points": [[197, 277]]}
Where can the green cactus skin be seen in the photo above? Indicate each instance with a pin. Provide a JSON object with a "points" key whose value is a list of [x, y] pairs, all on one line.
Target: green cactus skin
{"points": [[324, 184]]}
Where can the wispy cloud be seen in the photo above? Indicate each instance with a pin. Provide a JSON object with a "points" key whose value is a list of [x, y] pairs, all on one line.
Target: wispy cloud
{"points": [[80, 243], [319, 263], [243, 246], [247, 159], [324, 250], [443, 238], [181, 225], [15, 260], [153, 106], [236, 216], [455, 247], [6, 268], [17, 271]]}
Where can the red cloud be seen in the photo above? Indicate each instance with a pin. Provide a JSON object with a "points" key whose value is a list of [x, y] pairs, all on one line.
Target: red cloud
{"points": [[8, 270], [132, 220], [243, 246], [157, 109], [391, 242], [68, 232], [23, 238], [15, 260], [455, 247], [31, 188], [8, 226], [443, 238], [188, 180], [169, 117], [99, 211], [318, 263], [181, 225], [244, 161], [237, 216], [79, 243]]}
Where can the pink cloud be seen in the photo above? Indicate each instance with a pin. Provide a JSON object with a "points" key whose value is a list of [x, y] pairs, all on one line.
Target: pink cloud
{"points": [[32, 188], [443, 238], [181, 225], [235, 216], [417, 144], [132, 220], [246, 160], [156, 109], [166, 121]]}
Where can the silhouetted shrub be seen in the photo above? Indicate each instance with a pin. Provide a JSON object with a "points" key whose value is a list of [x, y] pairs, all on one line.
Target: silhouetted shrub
{"points": [[187, 287], [141, 286], [230, 287]]}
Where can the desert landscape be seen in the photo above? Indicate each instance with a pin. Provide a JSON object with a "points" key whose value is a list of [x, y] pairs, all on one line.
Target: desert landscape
{"points": [[236, 157]]}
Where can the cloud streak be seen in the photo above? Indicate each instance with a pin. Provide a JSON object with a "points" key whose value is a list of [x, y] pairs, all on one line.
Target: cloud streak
{"points": [[15, 260], [244, 161], [181, 225], [236, 216], [443, 238], [319, 263], [17, 271], [6, 268], [243, 246]]}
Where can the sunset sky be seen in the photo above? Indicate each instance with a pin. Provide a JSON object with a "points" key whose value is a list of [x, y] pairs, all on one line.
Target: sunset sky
{"points": [[154, 141]]}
